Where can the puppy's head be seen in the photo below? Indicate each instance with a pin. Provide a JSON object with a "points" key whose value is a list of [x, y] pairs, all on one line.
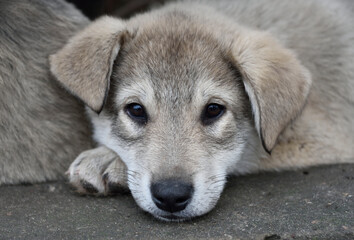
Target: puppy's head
{"points": [[181, 100]]}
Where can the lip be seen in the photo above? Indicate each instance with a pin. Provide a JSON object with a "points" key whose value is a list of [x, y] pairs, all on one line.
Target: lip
{"points": [[172, 218]]}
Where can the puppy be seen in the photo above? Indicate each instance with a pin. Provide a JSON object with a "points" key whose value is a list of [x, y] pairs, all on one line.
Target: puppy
{"points": [[41, 125], [182, 96]]}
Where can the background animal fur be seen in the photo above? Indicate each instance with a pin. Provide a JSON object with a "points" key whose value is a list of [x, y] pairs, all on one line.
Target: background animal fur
{"points": [[42, 127]]}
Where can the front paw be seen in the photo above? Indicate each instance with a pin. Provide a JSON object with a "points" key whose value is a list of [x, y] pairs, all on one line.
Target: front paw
{"points": [[98, 172]]}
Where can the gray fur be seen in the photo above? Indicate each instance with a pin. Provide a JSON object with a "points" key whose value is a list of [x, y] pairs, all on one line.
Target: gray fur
{"points": [[42, 127], [290, 63]]}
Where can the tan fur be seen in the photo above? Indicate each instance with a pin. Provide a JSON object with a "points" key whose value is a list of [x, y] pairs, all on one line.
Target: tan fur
{"points": [[285, 81], [96, 47], [276, 82]]}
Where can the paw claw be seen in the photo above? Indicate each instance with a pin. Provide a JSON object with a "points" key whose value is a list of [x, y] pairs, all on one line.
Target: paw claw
{"points": [[105, 178], [115, 188], [88, 187]]}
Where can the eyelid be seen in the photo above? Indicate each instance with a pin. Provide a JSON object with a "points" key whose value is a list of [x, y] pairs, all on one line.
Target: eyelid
{"points": [[216, 100], [128, 101], [131, 100]]}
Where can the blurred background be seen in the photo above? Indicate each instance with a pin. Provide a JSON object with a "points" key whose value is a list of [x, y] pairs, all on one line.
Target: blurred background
{"points": [[121, 8]]}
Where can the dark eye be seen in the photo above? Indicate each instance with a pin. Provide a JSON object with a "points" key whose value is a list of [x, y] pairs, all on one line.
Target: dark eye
{"points": [[136, 112], [212, 112]]}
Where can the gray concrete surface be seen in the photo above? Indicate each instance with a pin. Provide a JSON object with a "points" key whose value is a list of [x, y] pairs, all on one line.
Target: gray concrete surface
{"points": [[314, 204]]}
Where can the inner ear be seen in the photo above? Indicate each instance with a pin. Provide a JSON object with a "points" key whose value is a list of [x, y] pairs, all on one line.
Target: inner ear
{"points": [[84, 65], [276, 82]]}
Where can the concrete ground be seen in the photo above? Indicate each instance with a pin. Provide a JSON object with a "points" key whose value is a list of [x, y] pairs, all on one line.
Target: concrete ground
{"points": [[314, 204]]}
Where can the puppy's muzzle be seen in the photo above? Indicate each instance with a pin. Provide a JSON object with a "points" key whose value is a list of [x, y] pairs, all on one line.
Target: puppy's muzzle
{"points": [[171, 195]]}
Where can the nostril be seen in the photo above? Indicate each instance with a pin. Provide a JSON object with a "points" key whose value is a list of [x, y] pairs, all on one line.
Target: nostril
{"points": [[159, 199], [171, 195]]}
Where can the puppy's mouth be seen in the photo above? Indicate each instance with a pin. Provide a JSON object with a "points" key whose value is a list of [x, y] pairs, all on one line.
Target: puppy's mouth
{"points": [[172, 217]]}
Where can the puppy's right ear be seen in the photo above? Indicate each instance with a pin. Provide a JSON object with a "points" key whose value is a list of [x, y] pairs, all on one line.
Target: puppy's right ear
{"points": [[85, 63]]}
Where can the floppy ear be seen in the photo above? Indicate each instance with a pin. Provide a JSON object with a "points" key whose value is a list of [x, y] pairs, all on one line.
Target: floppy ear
{"points": [[85, 63], [275, 81]]}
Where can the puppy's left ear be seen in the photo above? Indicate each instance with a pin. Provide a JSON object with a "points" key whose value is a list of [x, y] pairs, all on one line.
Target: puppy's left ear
{"points": [[275, 81], [85, 63]]}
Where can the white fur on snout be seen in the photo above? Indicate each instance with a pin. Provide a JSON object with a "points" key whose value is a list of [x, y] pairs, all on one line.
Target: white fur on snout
{"points": [[207, 192], [209, 181], [139, 185]]}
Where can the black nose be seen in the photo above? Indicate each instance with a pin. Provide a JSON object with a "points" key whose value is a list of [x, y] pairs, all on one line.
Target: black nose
{"points": [[171, 195]]}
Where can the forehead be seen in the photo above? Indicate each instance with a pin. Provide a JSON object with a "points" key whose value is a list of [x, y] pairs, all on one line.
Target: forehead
{"points": [[172, 58]]}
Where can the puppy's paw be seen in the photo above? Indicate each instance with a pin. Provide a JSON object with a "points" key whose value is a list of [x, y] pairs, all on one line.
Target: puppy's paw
{"points": [[98, 172]]}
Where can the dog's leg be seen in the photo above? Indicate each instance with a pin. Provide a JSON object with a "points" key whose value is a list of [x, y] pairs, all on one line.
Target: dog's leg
{"points": [[98, 171]]}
